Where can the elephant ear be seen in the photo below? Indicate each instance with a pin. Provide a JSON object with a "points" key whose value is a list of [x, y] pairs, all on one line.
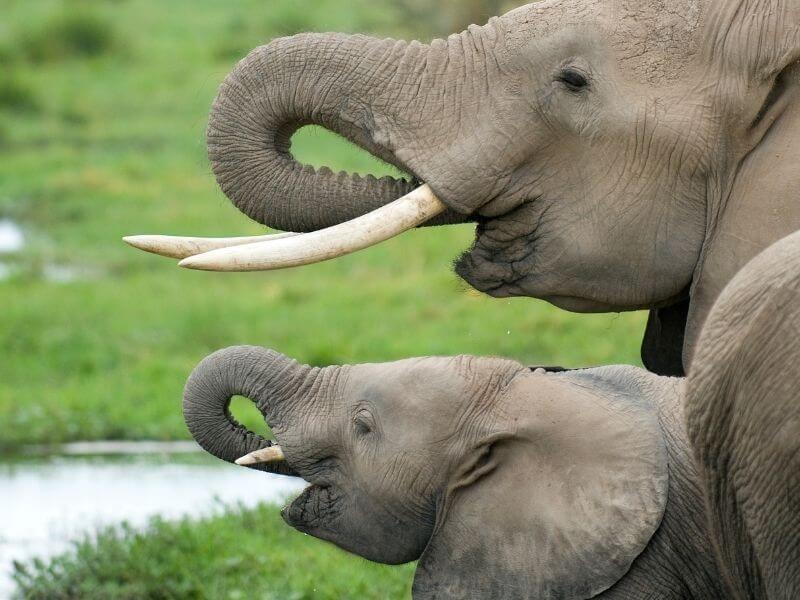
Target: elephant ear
{"points": [[757, 37], [758, 43], [558, 507]]}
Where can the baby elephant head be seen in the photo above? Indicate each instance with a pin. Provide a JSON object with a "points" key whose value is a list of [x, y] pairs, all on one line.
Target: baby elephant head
{"points": [[504, 482]]}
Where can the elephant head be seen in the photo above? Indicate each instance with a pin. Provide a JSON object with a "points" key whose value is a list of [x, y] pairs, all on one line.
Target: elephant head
{"points": [[504, 482], [614, 153]]}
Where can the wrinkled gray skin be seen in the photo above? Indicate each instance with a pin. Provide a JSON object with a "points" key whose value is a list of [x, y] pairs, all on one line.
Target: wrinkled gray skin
{"points": [[507, 483], [616, 154], [743, 418]]}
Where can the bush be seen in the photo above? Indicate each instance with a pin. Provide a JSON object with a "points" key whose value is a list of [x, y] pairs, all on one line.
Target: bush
{"points": [[16, 94], [239, 554], [78, 34]]}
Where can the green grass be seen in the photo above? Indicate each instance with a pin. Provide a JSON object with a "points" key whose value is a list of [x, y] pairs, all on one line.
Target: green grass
{"points": [[241, 555], [17, 95], [105, 138]]}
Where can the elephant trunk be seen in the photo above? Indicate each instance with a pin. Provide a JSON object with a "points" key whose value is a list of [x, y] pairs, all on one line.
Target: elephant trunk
{"points": [[368, 90], [265, 377], [413, 105]]}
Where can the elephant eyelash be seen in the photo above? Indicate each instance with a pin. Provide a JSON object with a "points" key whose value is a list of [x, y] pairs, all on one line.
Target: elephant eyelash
{"points": [[363, 423], [574, 80], [362, 428]]}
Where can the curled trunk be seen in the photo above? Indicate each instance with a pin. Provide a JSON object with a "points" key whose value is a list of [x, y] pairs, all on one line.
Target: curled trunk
{"points": [[265, 377], [368, 90]]}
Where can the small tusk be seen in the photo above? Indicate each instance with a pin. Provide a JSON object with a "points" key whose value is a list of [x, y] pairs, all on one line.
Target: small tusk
{"points": [[362, 232], [182, 247], [265, 455]]}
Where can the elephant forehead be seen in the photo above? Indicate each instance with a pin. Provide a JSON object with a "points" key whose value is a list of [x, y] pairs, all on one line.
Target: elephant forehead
{"points": [[399, 388], [653, 39]]}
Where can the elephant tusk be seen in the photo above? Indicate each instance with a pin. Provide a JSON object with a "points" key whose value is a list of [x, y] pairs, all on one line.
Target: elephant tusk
{"points": [[362, 232], [183, 247], [265, 455]]}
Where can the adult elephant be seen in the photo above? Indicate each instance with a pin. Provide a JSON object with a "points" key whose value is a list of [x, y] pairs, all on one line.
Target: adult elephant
{"points": [[616, 154], [510, 483]]}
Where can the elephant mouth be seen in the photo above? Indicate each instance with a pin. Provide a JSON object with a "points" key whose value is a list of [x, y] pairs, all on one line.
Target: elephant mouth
{"points": [[503, 253], [305, 511], [483, 274], [313, 507]]}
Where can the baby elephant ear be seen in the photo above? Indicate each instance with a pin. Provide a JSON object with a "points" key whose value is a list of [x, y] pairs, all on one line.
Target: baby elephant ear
{"points": [[560, 507]]}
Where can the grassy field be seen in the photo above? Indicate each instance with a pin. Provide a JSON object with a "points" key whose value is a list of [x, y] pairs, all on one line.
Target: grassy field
{"points": [[102, 116], [260, 558]]}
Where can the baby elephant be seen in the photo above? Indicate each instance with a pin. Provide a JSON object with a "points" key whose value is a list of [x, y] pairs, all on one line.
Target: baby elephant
{"points": [[511, 483]]}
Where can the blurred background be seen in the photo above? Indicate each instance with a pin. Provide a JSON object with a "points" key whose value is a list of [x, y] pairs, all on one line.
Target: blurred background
{"points": [[103, 108]]}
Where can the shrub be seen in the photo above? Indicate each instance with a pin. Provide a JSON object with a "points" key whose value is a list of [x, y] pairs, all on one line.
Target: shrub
{"points": [[16, 94], [77, 34], [239, 554]]}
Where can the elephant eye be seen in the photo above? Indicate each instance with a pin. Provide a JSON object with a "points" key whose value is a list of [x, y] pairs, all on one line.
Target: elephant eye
{"points": [[362, 423], [574, 80]]}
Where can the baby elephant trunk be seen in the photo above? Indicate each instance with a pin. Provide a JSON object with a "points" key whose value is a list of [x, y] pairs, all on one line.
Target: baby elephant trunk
{"points": [[264, 376]]}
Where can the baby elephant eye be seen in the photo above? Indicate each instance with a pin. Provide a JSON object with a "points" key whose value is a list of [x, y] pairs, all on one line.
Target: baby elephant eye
{"points": [[574, 80], [362, 423]]}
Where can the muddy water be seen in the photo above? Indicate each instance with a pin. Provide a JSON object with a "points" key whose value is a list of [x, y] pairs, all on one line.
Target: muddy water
{"points": [[46, 502]]}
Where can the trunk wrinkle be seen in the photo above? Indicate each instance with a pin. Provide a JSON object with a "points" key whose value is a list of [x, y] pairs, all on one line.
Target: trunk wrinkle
{"points": [[347, 84], [263, 376]]}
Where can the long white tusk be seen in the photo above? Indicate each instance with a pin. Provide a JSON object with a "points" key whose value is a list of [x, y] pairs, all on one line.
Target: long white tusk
{"points": [[265, 455], [362, 232], [182, 247]]}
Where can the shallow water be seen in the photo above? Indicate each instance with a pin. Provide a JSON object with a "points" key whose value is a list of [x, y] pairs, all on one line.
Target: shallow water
{"points": [[46, 502], [61, 273], [13, 240], [11, 237]]}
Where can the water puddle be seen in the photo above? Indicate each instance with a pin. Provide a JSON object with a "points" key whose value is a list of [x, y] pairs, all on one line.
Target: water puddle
{"points": [[13, 240], [59, 273], [48, 501], [52, 272], [11, 237]]}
